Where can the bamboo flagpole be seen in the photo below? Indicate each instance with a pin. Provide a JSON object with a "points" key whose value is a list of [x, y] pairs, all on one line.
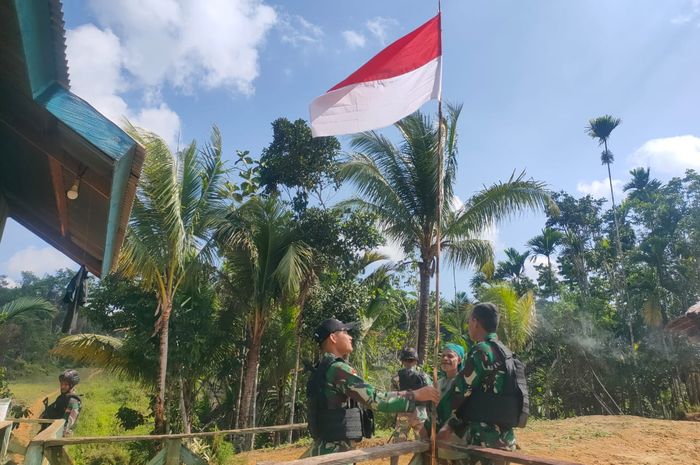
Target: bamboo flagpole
{"points": [[438, 239]]}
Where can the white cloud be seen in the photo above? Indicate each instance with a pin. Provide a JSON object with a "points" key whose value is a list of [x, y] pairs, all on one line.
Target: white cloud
{"points": [[188, 42], [530, 270], [456, 203], [37, 260], [378, 27], [160, 120], [143, 45], [669, 155], [598, 189], [491, 234], [299, 32], [392, 250], [354, 39], [692, 13]]}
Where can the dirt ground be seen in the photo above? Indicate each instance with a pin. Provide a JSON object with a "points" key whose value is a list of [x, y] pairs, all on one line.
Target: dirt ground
{"points": [[593, 440]]}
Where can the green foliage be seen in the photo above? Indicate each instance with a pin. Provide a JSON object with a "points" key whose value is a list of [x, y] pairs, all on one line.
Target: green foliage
{"points": [[296, 160]]}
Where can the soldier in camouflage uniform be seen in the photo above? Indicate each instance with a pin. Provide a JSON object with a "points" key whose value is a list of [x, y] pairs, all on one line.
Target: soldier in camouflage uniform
{"points": [[481, 371], [405, 422], [67, 404], [342, 383]]}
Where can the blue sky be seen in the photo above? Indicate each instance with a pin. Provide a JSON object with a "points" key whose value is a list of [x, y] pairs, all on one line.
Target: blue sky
{"points": [[530, 76]]}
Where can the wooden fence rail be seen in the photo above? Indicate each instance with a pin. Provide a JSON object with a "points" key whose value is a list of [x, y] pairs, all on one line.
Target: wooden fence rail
{"points": [[48, 446]]}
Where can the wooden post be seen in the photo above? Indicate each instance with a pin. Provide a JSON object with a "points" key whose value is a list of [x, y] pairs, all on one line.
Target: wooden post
{"points": [[172, 451], [5, 432], [35, 451], [394, 460], [57, 456]]}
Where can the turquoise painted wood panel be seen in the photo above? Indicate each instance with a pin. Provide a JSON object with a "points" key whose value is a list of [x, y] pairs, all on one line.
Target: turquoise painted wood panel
{"points": [[86, 121]]}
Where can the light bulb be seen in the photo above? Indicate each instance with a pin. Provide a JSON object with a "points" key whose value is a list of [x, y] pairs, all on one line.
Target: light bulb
{"points": [[72, 193]]}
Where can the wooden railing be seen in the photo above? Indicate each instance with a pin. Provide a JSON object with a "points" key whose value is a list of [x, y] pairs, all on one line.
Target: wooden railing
{"points": [[49, 445]]}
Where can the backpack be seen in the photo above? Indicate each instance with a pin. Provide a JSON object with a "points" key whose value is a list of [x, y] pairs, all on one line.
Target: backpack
{"points": [[410, 380], [510, 408]]}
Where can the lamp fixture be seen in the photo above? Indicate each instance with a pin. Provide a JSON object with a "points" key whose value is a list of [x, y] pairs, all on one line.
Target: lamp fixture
{"points": [[73, 192]]}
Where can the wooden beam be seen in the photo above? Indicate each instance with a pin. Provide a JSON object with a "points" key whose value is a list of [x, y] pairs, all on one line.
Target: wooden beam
{"points": [[5, 432], [59, 192], [35, 451], [190, 458], [164, 437], [172, 451], [20, 213], [41, 144], [58, 456], [360, 455], [497, 454]]}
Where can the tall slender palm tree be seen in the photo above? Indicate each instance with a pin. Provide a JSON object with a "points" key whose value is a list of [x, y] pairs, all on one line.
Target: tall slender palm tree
{"points": [[545, 245], [178, 204], [600, 128], [513, 267], [266, 261], [400, 184]]}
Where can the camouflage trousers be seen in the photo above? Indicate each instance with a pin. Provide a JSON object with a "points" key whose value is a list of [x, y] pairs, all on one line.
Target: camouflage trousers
{"points": [[324, 447], [405, 423]]}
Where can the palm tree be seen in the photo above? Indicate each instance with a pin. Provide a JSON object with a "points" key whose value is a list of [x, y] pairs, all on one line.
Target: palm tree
{"points": [[517, 313], [266, 261], [640, 186], [400, 183], [20, 305], [178, 203], [513, 267], [600, 128], [545, 245]]}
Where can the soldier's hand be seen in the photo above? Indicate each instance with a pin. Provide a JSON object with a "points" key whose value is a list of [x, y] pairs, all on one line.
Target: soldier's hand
{"points": [[427, 394], [445, 434]]}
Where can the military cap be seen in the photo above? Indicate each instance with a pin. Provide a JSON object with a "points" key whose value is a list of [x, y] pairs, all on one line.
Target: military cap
{"points": [[330, 326], [409, 353]]}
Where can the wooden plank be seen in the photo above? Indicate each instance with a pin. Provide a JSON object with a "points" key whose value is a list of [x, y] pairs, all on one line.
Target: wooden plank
{"points": [[394, 460], [190, 458], [59, 192], [31, 420], [35, 451], [164, 437], [159, 458], [362, 455], [58, 456], [5, 432], [172, 451], [514, 457]]}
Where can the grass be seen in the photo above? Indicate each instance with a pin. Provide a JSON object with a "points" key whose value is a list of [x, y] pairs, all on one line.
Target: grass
{"points": [[102, 395]]}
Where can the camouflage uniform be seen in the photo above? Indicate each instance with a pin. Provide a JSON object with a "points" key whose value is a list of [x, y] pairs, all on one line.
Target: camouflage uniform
{"points": [[67, 407], [343, 383], [480, 372], [405, 422]]}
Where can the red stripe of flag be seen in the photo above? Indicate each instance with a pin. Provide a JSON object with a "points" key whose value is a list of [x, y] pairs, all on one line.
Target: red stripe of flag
{"points": [[406, 54]]}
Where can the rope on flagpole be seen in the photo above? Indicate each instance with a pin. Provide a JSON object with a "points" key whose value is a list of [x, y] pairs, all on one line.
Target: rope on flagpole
{"points": [[438, 239]]}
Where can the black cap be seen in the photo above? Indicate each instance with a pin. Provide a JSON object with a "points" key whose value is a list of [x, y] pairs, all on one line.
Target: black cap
{"points": [[409, 353], [330, 326]]}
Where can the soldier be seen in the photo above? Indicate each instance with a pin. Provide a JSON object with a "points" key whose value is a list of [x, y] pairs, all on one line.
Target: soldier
{"points": [[411, 376], [482, 381], [340, 401], [67, 404]]}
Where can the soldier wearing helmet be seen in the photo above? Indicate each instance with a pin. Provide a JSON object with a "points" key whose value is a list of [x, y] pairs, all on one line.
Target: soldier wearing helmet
{"points": [[67, 404], [409, 377]]}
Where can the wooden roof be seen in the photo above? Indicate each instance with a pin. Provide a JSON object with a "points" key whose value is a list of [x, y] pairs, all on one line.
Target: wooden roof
{"points": [[50, 137], [688, 324]]}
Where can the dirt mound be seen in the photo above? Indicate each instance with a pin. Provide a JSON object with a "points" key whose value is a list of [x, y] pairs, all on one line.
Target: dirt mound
{"points": [[594, 440]]}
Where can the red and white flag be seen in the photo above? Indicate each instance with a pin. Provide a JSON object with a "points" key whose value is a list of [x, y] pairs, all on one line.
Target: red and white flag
{"points": [[390, 86]]}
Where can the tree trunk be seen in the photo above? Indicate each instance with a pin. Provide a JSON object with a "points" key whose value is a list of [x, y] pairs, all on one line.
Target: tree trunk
{"points": [[167, 307], [247, 412], [186, 424], [423, 311], [295, 379]]}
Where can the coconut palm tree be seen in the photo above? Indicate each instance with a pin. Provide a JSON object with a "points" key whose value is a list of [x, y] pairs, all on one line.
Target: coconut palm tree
{"points": [[178, 203], [600, 128], [266, 261], [21, 305], [517, 314], [513, 267], [400, 183], [640, 186]]}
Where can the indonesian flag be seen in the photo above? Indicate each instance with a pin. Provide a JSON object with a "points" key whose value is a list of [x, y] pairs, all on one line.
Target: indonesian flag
{"points": [[390, 86]]}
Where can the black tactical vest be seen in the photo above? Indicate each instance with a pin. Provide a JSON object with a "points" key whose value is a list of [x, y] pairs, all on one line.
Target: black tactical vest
{"points": [[57, 409], [349, 422], [507, 409]]}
